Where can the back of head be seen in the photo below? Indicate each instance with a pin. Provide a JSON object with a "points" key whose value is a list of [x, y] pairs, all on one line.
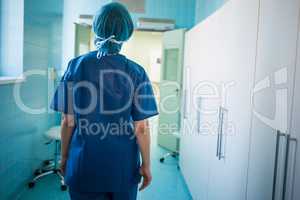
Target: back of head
{"points": [[112, 26]]}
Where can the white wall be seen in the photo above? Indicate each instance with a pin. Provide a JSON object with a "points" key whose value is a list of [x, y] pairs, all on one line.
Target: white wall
{"points": [[72, 10], [150, 44]]}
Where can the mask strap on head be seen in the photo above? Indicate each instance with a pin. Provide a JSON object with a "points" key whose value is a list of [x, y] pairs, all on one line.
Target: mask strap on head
{"points": [[101, 41]]}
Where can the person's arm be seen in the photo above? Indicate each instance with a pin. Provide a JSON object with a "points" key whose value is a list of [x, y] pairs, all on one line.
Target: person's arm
{"points": [[67, 126], [143, 138]]}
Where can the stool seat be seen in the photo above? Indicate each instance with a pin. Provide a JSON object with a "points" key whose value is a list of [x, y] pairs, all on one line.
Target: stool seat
{"points": [[51, 166], [53, 133]]}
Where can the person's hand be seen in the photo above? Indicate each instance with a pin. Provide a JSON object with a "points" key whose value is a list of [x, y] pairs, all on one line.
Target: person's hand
{"points": [[147, 177], [63, 164]]}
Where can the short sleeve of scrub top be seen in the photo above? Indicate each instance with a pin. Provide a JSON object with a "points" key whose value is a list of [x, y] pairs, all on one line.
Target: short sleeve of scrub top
{"points": [[144, 104], [62, 100]]}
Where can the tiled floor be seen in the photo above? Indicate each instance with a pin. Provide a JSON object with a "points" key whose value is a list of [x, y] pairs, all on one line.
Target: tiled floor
{"points": [[167, 184]]}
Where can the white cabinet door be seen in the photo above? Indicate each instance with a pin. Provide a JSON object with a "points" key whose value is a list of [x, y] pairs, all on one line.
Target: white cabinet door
{"points": [[293, 178], [231, 64], [220, 53], [272, 99], [194, 159]]}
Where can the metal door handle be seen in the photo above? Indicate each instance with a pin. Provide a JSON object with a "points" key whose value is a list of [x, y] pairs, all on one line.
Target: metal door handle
{"points": [[221, 155], [278, 136], [295, 162], [185, 104], [220, 133], [286, 164], [177, 92], [198, 114], [198, 121]]}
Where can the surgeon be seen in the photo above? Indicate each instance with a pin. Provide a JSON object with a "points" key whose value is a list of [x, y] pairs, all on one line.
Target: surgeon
{"points": [[105, 100]]}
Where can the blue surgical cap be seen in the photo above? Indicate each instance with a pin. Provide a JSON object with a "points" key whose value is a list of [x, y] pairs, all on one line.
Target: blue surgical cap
{"points": [[112, 26]]}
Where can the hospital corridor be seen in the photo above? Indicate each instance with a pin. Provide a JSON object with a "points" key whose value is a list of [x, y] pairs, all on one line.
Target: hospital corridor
{"points": [[149, 99]]}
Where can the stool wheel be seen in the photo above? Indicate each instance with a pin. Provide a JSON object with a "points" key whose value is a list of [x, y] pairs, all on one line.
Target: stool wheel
{"points": [[63, 187], [47, 162], [37, 172], [31, 184], [162, 160]]}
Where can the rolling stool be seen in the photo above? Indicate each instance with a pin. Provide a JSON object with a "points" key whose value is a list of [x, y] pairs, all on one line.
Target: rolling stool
{"points": [[164, 157], [50, 166], [173, 154]]}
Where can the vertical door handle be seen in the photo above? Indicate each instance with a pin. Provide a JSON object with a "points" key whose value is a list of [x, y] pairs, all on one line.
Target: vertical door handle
{"points": [[220, 133], [177, 91], [198, 114], [278, 136], [221, 155], [295, 140], [286, 164], [185, 104], [198, 120]]}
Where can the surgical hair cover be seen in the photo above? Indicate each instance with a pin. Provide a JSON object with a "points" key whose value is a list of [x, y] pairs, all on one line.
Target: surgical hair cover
{"points": [[112, 26]]}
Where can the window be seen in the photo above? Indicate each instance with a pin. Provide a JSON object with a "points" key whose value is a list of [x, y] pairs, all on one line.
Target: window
{"points": [[11, 38]]}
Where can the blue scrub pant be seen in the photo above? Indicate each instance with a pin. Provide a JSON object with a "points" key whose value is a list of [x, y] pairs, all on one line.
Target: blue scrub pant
{"points": [[129, 195]]}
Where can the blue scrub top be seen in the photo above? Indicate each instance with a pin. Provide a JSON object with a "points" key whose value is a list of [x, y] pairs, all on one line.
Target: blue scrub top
{"points": [[105, 96]]}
